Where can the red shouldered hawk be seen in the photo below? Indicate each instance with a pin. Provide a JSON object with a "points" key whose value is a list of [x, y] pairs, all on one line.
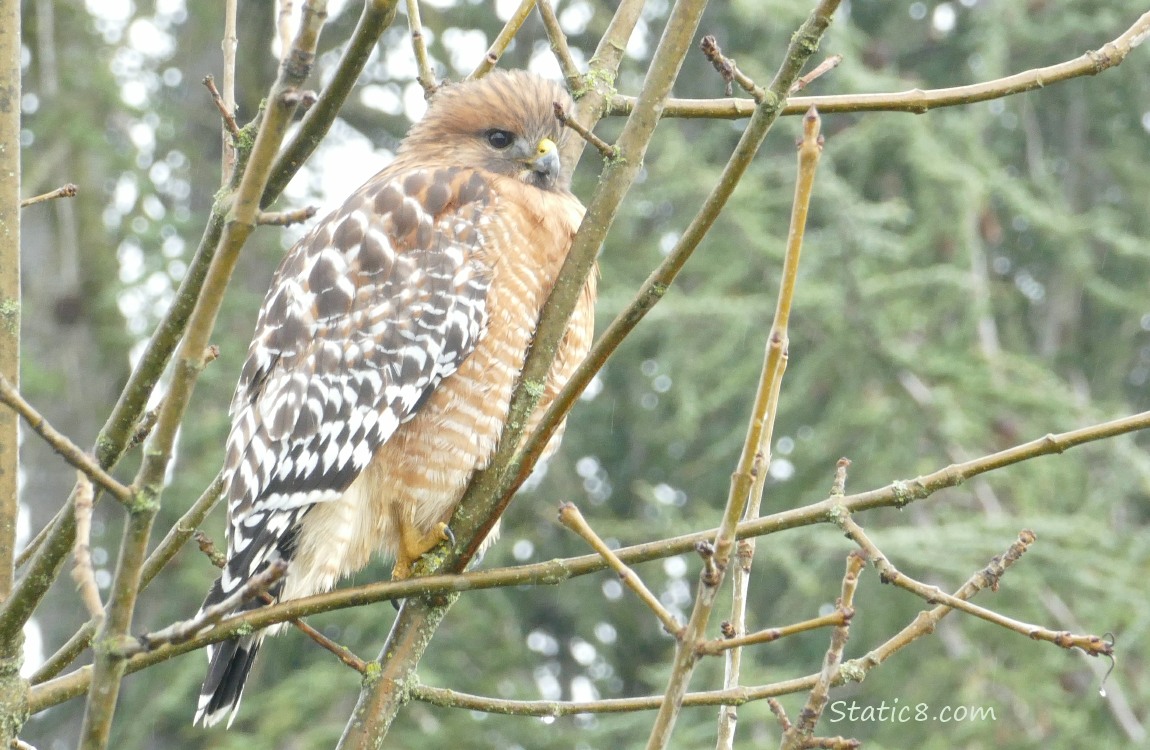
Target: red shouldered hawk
{"points": [[386, 350]]}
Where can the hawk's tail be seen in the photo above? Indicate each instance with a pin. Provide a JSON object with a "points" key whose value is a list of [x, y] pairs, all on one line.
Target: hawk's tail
{"points": [[229, 663]]}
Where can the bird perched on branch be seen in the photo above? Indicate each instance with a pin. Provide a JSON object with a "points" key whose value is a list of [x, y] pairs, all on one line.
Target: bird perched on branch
{"points": [[387, 348]]}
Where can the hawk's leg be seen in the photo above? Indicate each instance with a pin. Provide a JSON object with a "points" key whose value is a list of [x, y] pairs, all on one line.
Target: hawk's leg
{"points": [[414, 544]]}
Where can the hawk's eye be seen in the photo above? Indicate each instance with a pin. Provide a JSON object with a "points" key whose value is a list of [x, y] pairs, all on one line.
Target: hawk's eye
{"points": [[500, 139]]}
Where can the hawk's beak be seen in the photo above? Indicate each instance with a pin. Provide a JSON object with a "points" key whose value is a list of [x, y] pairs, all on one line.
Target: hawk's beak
{"points": [[545, 164]]}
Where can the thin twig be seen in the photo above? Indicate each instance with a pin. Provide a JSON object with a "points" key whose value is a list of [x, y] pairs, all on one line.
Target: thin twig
{"points": [[60, 443], [766, 406], [503, 40], [1090, 644], [230, 125], [839, 487], [768, 635], [799, 736], [926, 621], [780, 713], [343, 653], [819, 70], [82, 572], [729, 71], [606, 149], [286, 218], [64, 191], [426, 76], [748, 478], [570, 517], [558, 41], [228, 102], [181, 631]]}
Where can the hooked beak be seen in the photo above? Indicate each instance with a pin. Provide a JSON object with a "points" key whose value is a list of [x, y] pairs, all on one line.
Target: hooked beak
{"points": [[544, 165]]}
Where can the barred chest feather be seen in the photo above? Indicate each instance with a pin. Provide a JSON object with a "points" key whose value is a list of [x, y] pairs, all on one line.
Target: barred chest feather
{"points": [[418, 476]]}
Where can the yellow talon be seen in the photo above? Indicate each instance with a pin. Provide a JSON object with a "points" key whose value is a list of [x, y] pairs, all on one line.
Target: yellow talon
{"points": [[414, 545]]}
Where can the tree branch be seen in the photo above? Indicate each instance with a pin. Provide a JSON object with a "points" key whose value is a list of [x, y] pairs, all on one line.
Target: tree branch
{"points": [[426, 76], [558, 41], [82, 573], [752, 461], [773, 368], [284, 97], [503, 39], [897, 495], [1089, 644], [13, 688], [60, 443], [570, 517], [64, 191], [918, 101]]}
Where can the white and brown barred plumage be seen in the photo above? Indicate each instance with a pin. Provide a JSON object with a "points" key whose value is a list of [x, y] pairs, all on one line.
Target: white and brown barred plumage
{"points": [[386, 350]]}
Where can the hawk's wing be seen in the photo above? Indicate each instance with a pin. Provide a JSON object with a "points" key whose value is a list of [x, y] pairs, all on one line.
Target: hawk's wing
{"points": [[366, 315]]}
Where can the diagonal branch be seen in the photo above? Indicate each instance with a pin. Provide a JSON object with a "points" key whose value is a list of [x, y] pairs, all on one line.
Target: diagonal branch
{"points": [[60, 443], [503, 39], [1090, 644], [181, 631], [570, 517]]}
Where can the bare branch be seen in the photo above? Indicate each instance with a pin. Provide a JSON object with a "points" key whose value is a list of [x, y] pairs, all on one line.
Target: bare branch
{"points": [[82, 572], [231, 128], [227, 104], [606, 149], [729, 71], [918, 101], [749, 475], [570, 517], [182, 631], [503, 39], [819, 70], [558, 41], [801, 733], [1090, 644], [426, 76], [377, 15], [286, 218], [76, 683], [768, 635], [283, 25], [60, 443], [64, 191]]}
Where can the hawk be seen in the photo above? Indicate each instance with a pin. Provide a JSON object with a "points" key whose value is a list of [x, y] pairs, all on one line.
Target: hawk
{"points": [[380, 374]]}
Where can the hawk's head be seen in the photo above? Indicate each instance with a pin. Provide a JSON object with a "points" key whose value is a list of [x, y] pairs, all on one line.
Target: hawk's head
{"points": [[502, 123]]}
